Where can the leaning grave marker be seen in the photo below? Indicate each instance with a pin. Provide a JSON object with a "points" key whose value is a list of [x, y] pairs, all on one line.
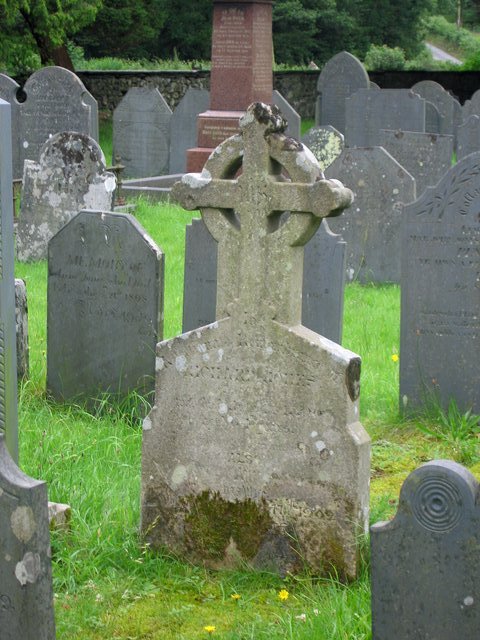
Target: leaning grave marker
{"points": [[440, 308], [183, 126], [326, 144], [239, 426], [105, 288]]}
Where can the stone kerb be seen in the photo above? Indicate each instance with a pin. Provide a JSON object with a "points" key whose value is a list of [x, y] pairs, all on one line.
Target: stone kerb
{"points": [[254, 437]]}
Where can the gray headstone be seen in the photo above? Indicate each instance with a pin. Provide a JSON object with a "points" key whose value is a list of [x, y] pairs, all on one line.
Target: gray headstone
{"points": [[432, 118], [105, 290], [26, 593], [69, 176], [183, 127], [425, 562], [8, 366], [471, 107], [369, 111], [340, 78], [444, 102], [141, 133], [56, 101], [21, 324], [326, 144], [440, 320], [426, 156], [371, 226], [8, 92], [468, 137], [291, 116], [323, 281]]}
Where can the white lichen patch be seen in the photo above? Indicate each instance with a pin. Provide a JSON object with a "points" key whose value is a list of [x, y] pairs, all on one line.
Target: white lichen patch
{"points": [[23, 523], [202, 348], [223, 409], [267, 352], [320, 445], [147, 424], [181, 364], [110, 184], [314, 434], [220, 353], [28, 569], [159, 363], [197, 180], [306, 160], [179, 475]]}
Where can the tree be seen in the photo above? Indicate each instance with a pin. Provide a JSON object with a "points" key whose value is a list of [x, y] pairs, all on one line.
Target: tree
{"points": [[45, 25]]}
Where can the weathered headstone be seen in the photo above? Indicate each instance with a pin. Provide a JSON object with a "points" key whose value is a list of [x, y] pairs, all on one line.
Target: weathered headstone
{"points": [[426, 156], [294, 121], [367, 112], [141, 133], [322, 290], [443, 101], [342, 76], [183, 127], [8, 367], [440, 320], [8, 92], [372, 226], [432, 118], [471, 107], [21, 325], [326, 144], [253, 450], [105, 288], [425, 562], [56, 101], [468, 137], [69, 176]]}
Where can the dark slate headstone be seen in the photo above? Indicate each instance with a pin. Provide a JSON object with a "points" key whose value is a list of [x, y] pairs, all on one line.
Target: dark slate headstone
{"points": [[8, 366], [56, 101], [105, 306], [425, 562], [326, 144], [341, 77], [69, 176], [426, 156], [21, 325], [443, 101], [291, 116], [432, 118], [141, 133], [471, 107], [369, 111], [323, 281], [8, 91], [26, 593], [468, 137], [183, 127], [440, 319], [371, 226]]}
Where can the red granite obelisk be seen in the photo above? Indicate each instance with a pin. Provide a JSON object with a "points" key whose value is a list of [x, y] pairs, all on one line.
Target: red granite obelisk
{"points": [[242, 58]]}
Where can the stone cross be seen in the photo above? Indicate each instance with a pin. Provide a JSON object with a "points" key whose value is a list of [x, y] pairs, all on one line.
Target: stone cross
{"points": [[250, 207]]}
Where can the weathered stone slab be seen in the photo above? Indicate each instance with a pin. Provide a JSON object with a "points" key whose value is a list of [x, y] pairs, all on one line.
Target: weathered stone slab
{"points": [[342, 76], [26, 594], [326, 144], [432, 118], [183, 127], [426, 156], [291, 116], [322, 290], [471, 107], [444, 102], [440, 322], [21, 325], [8, 368], [468, 137], [56, 101], [70, 176], [425, 578], [8, 92], [371, 228], [105, 287], [141, 133], [253, 451], [367, 112]]}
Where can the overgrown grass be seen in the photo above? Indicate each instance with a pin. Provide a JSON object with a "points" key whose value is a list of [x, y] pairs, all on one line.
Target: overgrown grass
{"points": [[107, 584]]}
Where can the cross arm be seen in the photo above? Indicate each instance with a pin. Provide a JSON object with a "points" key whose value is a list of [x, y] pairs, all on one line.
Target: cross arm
{"points": [[200, 190], [322, 198]]}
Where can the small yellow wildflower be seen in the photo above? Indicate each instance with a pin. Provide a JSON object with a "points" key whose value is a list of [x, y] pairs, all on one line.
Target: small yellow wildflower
{"points": [[395, 357], [235, 596], [209, 628], [283, 594]]}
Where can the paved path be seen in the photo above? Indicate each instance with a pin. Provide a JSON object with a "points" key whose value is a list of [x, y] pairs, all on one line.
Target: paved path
{"points": [[439, 54]]}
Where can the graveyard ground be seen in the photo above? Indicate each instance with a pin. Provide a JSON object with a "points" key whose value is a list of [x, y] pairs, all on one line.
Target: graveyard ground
{"points": [[109, 585]]}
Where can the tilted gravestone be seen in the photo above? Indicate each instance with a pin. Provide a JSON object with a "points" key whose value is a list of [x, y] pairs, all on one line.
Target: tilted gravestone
{"points": [[141, 133], [371, 228], [253, 451], [367, 112], [426, 156], [326, 144], [440, 320], [26, 593], [183, 127], [69, 176], [340, 78], [8, 92], [443, 101], [105, 289], [323, 281], [468, 137], [425, 562], [294, 121], [56, 101]]}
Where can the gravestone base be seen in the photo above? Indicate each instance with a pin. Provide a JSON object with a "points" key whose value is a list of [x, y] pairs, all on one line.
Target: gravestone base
{"points": [[213, 128]]}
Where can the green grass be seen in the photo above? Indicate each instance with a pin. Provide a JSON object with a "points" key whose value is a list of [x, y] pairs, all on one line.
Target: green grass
{"points": [[107, 584]]}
